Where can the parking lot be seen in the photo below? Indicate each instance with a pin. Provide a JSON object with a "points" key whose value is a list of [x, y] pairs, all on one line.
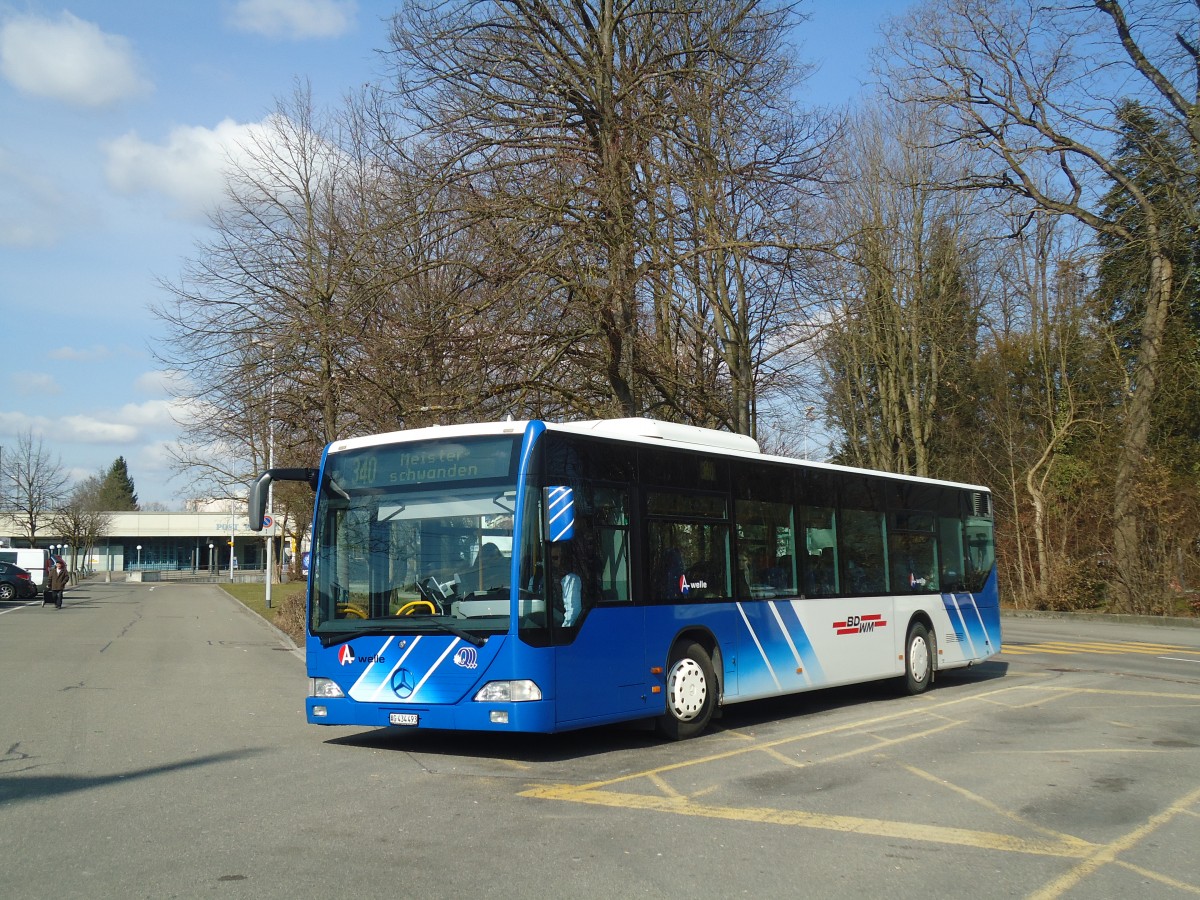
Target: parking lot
{"points": [[1067, 767]]}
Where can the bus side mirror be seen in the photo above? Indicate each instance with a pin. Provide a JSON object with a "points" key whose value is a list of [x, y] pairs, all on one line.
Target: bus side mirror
{"points": [[559, 501], [256, 502]]}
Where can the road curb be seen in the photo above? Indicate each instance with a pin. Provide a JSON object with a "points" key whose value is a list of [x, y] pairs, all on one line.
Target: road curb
{"points": [[283, 636], [1115, 618]]}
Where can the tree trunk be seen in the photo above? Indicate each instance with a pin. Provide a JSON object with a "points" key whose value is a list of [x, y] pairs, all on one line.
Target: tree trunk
{"points": [[1135, 447]]}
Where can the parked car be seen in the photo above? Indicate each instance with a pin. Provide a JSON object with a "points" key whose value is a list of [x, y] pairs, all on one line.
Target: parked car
{"points": [[16, 583], [34, 560]]}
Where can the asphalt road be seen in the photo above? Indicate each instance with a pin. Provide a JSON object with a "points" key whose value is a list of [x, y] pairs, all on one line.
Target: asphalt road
{"points": [[154, 745]]}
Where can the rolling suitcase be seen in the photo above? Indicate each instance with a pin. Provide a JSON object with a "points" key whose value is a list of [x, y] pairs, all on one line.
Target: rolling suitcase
{"points": [[54, 598]]}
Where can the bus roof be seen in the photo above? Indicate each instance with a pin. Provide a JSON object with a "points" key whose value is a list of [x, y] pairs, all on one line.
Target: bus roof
{"points": [[634, 430]]}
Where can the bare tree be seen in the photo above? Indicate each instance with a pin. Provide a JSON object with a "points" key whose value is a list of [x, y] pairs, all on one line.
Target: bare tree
{"points": [[1042, 375], [1036, 88], [82, 520], [36, 484], [906, 309], [571, 129], [263, 321]]}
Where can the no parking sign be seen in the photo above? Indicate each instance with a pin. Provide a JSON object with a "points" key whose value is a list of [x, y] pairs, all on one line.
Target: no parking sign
{"points": [[268, 522]]}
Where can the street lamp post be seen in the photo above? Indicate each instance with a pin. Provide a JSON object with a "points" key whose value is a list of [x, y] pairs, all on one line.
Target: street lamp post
{"points": [[210, 558], [809, 417], [270, 532], [139, 546], [232, 538], [270, 515]]}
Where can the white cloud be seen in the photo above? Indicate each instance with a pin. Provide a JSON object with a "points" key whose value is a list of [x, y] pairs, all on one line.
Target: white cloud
{"points": [[70, 60], [13, 424], [194, 164], [153, 414], [35, 384], [131, 423], [57, 430], [165, 383], [95, 353], [294, 19], [89, 430], [191, 167]]}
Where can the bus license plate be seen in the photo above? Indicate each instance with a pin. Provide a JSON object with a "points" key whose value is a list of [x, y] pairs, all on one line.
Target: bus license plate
{"points": [[403, 718]]}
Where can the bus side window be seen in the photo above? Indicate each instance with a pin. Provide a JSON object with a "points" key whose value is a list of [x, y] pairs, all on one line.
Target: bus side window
{"points": [[767, 549], [950, 553], [689, 543], [862, 550], [819, 526], [980, 551], [612, 544]]}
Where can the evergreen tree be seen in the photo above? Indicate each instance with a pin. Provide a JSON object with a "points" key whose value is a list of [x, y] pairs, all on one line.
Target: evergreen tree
{"points": [[117, 493], [1156, 159]]}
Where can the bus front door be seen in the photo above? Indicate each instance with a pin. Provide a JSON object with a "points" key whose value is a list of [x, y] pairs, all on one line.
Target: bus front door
{"points": [[602, 675]]}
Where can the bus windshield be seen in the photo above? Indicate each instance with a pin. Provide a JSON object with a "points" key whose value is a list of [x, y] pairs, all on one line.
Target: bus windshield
{"points": [[415, 538]]}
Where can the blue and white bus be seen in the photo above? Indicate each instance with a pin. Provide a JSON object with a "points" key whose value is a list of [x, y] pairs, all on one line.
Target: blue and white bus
{"points": [[540, 577]]}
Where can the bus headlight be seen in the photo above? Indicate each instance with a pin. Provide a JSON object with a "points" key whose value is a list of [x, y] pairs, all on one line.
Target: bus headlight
{"points": [[324, 687], [508, 692]]}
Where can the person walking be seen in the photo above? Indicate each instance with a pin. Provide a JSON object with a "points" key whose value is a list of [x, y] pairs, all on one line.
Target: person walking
{"points": [[59, 579]]}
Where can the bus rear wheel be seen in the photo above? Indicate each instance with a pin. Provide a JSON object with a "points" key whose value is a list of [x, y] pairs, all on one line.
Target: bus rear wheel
{"points": [[691, 692], [918, 659]]}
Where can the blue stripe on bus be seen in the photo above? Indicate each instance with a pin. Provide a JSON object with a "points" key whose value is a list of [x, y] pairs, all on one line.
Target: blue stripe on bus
{"points": [[774, 652]]}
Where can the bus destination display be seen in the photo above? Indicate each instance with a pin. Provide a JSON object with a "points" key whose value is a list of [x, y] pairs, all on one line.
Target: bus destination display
{"points": [[426, 463]]}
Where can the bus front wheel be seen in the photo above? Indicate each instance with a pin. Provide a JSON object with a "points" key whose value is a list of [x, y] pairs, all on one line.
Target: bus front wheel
{"points": [[918, 659], [691, 692]]}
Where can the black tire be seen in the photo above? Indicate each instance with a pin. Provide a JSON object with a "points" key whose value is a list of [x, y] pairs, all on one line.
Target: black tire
{"points": [[918, 659], [7, 592], [691, 692]]}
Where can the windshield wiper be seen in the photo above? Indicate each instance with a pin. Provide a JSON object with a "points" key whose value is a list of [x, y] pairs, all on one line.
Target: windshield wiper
{"points": [[328, 639], [459, 632], [340, 637]]}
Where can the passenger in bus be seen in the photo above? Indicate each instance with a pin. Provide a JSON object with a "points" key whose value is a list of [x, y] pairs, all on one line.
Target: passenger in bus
{"points": [[569, 585], [819, 580], [490, 569], [672, 576]]}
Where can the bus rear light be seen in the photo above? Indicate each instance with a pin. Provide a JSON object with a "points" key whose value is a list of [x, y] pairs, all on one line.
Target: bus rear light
{"points": [[508, 692], [325, 688]]}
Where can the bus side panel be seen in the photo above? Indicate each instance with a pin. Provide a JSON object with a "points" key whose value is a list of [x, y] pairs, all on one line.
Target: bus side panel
{"points": [[664, 624], [786, 646], [970, 630], [774, 652], [602, 675]]}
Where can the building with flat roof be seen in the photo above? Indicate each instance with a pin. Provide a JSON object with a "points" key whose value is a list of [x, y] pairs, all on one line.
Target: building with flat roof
{"points": [[208, 541]]}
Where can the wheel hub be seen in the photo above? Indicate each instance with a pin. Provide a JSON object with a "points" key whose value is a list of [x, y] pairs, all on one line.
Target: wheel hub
{"points": [[686, 690], [918, 655]]}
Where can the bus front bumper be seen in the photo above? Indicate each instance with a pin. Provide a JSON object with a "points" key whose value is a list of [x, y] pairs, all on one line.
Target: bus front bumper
{"points": [[529, 716]]}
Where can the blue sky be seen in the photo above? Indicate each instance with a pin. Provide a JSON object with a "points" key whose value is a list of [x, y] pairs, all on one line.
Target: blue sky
{"points": [[116, 117]]}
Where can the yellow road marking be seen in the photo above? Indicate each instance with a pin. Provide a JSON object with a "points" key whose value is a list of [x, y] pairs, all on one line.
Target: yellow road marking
{"points": [[920, 710], [1158, 876], [992, 807], [1072, 848], [1067, 648], [1107, 853], [1092, 856]]}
